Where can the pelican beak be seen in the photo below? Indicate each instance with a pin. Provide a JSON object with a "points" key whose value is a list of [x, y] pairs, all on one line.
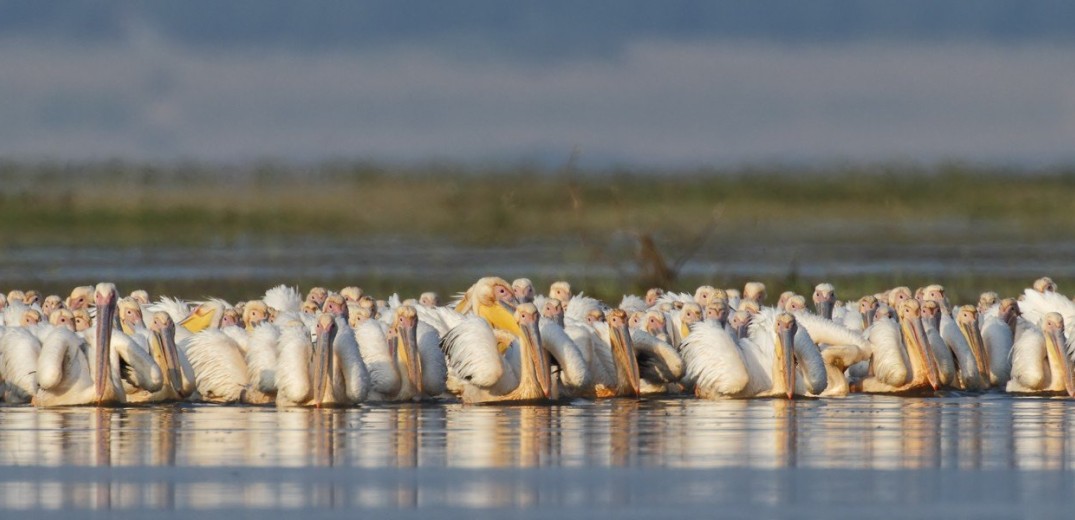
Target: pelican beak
{"points": [[974, 338], [685, 330], [538, 357], [407, 350], [824, 308], [500, 317], [915, 334], [164, 338], [106, 315], [867, 319], [623, 351], [322, 356], [1054, 340], [200, 319], [785, 349]]}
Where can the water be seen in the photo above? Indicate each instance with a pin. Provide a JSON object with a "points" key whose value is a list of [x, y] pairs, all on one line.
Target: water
{"points": [[991, 456]]}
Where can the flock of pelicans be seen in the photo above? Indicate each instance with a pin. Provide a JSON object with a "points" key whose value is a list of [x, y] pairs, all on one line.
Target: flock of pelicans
{"points": [[500, 342]]}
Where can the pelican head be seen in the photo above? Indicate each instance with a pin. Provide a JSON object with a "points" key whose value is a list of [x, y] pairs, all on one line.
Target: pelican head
{"points": [[140, 296], [335, 305], [704, 294], [254, 312], [740, 322], [1044, 285], [867, 307], [717, 311], [229, 318], [883, 312], [492, 299], [80, 298], [317, 295], [987, 300], [560, 290], [527, 317], [51, 303], [208, 314], [594, 316], [356, 315], [897, 296], [824, 299], [783, 300], [405, 326], [755, 292], [1009, 313], [796, 303], [623, 350], [15, 295], [351, 294], [163, 349], [104, 297], [652, 295], [553, 310], [30, 317], [309, 307], [690, 314], [523, 289], [31, 297], [324, 334], [967, 319], [750, 306], [82, 319], [637, 320], [1056, 345], [914, 336], [429, 299], [63, 318], [786, 327], [935, 292], [931, 312], [130, 315], [654, 323]]}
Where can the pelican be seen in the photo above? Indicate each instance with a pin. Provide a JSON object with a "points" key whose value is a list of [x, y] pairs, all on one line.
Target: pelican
{"points": [[67, 374], [755, 292], [406, 364], [861, 320], [178, 375], [840, 349], [1041, 361], [524, 290], [824, 299], [902, 360], [1000, 331], [616, 351], [770, 359], [496, 365], [328, 372]]}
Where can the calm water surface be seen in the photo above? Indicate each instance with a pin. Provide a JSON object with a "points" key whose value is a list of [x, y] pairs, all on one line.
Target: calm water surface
{"points": [[990, 456]]}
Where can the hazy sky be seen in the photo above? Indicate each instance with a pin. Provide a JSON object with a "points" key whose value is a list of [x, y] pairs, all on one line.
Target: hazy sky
{"points": [[668, 83]]}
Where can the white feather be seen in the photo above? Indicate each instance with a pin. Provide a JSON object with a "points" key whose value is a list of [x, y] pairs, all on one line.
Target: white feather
{"points": [[713, 362]]}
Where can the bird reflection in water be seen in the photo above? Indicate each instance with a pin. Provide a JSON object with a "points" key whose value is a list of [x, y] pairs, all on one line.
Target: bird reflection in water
{"points": [[177, 457]]}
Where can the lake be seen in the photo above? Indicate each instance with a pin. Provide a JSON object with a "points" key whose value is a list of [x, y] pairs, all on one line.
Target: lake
{"points": [[953, 456]]}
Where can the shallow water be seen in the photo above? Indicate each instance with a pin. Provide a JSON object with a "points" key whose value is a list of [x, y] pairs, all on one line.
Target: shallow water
{"points": [[869, 456]]}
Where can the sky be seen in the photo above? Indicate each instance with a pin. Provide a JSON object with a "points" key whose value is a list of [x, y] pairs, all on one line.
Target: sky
{"points": [[627, 82]]}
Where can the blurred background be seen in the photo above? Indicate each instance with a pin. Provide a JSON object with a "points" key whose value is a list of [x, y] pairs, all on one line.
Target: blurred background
{"points": [[216, 148]]}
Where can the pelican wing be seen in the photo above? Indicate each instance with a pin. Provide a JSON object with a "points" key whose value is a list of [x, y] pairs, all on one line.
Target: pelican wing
{"points": [[1036, 305], [292, 373], [713, 362], [997, 337], [471, 349], [580, 306], [852, 321], [61, 363], [261, 354], [632, 303], [966, 363], [573, 370], [356, 377], [1028, 359], [889, 360], [177, 309], [19, 353], [603, 362], [139, 368], [376, 354], [840, 346], [434, 367], [811, 365], [219, 367], [658, 361], [283, 298]]}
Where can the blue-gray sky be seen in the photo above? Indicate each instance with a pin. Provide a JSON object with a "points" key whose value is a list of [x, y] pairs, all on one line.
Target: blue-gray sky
{"points": [[669, 83]]}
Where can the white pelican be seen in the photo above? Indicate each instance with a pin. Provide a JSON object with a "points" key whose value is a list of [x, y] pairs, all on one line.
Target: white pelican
{"points": [[862, 319], [940, 341], [902, 361], [755, 292], [1041, 361], [328, 372], [69, 375], [774, 360], [407, 363], [824, 299], [524, 290], [1000, 331], [494, 364], [840, 349], [178, 375], [615, 350]]}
